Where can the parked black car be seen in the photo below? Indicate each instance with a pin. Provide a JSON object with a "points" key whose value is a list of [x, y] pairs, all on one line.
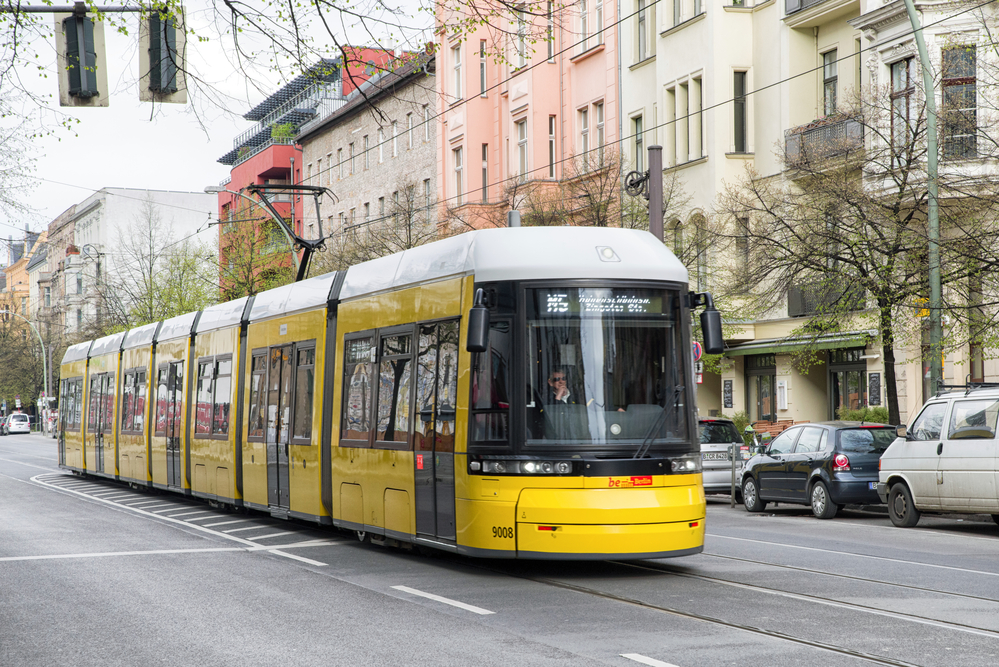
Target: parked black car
{"points": [[825, 465]]}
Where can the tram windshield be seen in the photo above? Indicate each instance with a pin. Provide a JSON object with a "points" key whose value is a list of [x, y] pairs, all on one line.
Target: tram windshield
{"points": [[605, 369]]}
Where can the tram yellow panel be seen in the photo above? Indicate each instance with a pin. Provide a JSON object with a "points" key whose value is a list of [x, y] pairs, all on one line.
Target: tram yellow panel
{"points": [[398, 512], [304, 479], [610, 539], [73, 439], [133, 446], [255, 473], [105, 363], [215, 455], [370, 473], [426, 302], [486, 524], [169, 351], [612, 506]]}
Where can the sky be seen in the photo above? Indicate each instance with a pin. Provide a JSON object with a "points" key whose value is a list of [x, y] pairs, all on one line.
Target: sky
{"points": [[133, 144]]}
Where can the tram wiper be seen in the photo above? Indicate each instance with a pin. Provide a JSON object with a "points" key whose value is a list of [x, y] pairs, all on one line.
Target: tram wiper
{"points": [[658, 424]]}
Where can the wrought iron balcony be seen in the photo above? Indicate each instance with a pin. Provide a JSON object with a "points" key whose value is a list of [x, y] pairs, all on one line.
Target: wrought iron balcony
{"points": [[824, 138], [824, 297]]}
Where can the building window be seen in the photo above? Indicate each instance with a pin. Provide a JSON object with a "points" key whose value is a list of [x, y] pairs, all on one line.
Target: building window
{"points": [[698, 7], [829, 82], [79, 283], [522, 149], [353, 216], [584, 24], [48, 297], [902, 94], [456, 159], [639, 144], [550, 31], [521, 38], [426, 193], [482, 67], [381, 145], [584, 137], [598, 111], [395, 138], [739, 113], [426, 122], [339, 162], [366, 153], [381, 207], [676, 12], [643, 31], [409, 130], [696, 143], [598, 21], [960, 102], [353, 169], [367, 211], [79, 318], [485, 172], [456, 72], [552, 126], [24, 306]]}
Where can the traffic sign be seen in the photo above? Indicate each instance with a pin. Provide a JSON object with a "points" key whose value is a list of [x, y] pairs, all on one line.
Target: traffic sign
{"points": [[698, 351]]}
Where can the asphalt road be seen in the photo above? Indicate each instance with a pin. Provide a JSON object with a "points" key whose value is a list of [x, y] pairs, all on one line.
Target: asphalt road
{"points": [[95, 573]]}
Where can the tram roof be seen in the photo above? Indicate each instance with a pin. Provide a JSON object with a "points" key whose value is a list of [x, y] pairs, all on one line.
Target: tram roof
{"points": [[76, 352], [177, 327], [140, 336], [521, 253], [292, 298], [222, 315], [107, 344]]}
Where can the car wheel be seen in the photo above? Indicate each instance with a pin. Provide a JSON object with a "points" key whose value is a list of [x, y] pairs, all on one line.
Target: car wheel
{"points": [[901, 508], [750, 498], [822, 505]]}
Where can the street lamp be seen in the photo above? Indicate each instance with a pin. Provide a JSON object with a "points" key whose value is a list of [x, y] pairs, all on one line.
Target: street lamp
{"points": [[45, 370], [308, 246]]}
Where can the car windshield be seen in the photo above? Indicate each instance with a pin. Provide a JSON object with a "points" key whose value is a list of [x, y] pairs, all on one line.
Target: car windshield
{"points": [[718, 432], [605, 368], [19, 418], [866, 440]]}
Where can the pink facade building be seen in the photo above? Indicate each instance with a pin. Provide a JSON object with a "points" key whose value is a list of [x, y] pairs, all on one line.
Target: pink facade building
{"points": [[524, 103]]}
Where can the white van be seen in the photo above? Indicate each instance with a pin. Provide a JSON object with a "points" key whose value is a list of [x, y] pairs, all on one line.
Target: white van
{"points": [[946, 461]]}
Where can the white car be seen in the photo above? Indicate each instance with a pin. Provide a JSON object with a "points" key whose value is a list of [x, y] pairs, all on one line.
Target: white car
{"points": [[946, 460], [18, 423]]}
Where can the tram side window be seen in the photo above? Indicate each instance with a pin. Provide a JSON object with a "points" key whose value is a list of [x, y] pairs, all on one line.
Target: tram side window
{"points": [[490, 398], [305, 375], [72, 397], [127, 401], [395, 382], [95, 402], [139, 419], [258, 375], [213, 392], [161, 400], [108, 404], [357, 392]]}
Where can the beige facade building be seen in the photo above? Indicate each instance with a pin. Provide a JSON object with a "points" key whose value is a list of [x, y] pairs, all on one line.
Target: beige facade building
{"points": [[749, 84], [375, 151]]}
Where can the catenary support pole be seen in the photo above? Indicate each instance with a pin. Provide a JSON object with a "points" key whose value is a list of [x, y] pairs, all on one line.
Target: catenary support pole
{"points": [[656, 191]]}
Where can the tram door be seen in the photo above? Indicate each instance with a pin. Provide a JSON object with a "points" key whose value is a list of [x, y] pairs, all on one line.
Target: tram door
{"points": [[278, 426], [437, 388], [172, 382], [99, 420]]}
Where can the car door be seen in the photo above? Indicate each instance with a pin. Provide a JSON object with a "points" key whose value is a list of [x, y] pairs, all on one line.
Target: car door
{"points": [[801, 462], [771, 473], [966, 477], [919, 456]]}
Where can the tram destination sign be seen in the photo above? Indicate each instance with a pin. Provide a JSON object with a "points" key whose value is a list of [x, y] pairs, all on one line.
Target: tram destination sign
{"points": [[585, 301]]}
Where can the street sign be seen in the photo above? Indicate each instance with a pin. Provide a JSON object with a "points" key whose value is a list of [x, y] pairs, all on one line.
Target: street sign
{"points": [[698, 351]]}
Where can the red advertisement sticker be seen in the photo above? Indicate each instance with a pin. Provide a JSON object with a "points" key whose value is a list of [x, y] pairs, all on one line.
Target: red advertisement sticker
{"points": [[419, 462]]}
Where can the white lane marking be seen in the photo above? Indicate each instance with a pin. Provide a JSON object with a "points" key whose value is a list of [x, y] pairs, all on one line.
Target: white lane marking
{"points": [[105, 554], [211, 515], [246, 543], [308, 561], [264, 537], [172, 507], [438, 598], [110, 494], [174, 516], [29, 465], [645, 660], [144, 502], [225, 523], [847, 553], [238, 530]]}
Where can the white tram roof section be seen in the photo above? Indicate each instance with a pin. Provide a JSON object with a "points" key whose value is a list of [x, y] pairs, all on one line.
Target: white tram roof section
{"points": [[222, 315], [176, 327], [76, 352], [140, 336], [292, 298], [107, 345], [522, 253]]}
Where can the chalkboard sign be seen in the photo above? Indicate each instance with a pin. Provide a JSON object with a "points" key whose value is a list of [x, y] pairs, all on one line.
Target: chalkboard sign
{"points": [[874, 392], [727, 394]]}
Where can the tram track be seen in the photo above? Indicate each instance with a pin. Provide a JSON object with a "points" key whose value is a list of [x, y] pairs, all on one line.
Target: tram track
{"points": [[704, 618]]}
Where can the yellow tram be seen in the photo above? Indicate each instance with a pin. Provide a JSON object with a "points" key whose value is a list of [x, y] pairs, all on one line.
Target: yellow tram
{"points": [[506, 393]]}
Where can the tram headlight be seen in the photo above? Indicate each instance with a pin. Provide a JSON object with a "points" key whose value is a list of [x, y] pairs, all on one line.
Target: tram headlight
{"points": [[520, 467], [499, 467], [530, 467], [686, 464], [563, 467], [547, 468]]}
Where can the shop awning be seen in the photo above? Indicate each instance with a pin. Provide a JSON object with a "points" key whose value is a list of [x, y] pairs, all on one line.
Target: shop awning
{"points": [[832, 341]]}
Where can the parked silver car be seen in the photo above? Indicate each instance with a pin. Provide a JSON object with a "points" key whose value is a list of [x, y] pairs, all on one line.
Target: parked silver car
{"points": [[719, 439]]}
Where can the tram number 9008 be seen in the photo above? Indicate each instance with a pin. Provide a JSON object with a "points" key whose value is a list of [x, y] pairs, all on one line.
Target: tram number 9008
{"points": [[502, 531]]}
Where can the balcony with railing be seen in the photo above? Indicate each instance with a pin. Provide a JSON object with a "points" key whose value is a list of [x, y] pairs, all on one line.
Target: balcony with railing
{"points": [[821, 139]]}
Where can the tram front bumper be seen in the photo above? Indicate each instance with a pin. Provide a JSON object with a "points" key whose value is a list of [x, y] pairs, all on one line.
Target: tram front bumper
{"points": [[611, 523]]}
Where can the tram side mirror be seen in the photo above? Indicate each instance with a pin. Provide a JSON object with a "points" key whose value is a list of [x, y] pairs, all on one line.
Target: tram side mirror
{"points": [[478, 324], [711, 329]]}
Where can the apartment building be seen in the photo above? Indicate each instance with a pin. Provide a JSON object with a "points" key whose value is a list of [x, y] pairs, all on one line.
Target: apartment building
{"points": [[532, 101], [376, 154], [746, 84]]}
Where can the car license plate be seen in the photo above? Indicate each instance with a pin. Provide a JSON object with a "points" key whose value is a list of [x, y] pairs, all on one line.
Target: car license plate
{"points": [[714, 456], [873, 486]]}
